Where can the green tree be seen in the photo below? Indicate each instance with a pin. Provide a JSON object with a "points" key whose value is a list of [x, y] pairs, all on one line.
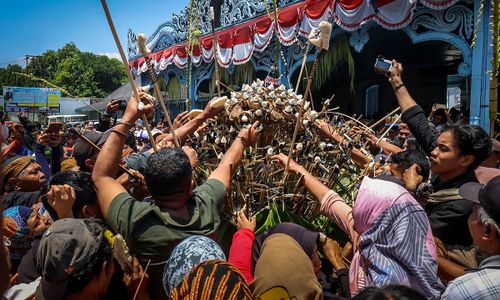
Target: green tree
{"points": [[83, 74], [8, 77]]}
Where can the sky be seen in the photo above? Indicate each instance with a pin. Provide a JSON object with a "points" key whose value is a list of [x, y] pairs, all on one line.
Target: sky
{"points": [[31, 27]]}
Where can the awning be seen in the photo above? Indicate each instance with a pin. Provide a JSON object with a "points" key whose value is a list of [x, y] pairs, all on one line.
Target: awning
{"points": [[237, 44]]}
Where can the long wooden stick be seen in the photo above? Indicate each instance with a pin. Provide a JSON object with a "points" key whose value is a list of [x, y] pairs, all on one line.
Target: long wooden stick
{"points": [[224, 85], [127, 71], [142, 278], [383, 119], [91, 144], [387, 131], [301, 113], [145, 52], [304, 60], [351, 118], [214, 43]]}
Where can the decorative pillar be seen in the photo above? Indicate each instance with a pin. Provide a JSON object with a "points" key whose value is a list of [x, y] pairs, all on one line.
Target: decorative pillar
{"points": [[481, 66]]}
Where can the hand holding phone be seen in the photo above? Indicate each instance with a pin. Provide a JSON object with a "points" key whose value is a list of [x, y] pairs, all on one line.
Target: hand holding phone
{"points": [[54, 127], [382, 65]]}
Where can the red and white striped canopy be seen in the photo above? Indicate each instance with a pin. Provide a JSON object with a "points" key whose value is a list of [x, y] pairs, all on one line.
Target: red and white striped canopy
{"points": [[236, 45]]}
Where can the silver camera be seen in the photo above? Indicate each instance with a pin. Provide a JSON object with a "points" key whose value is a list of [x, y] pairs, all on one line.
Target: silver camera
{"points": [[383, 65]]}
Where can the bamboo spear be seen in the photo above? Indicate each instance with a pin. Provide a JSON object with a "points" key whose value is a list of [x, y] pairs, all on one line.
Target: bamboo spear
{"points": [[383, 119], [214, 43], [323, 43], [141, 44], [387, 131], [97, 148], [127, 71]]}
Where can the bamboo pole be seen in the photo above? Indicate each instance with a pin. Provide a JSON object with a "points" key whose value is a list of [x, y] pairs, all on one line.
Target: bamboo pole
{"points": [[214, 47], [383, 119], [91, 144], [127, 71], [143, 49], [387, 131]]}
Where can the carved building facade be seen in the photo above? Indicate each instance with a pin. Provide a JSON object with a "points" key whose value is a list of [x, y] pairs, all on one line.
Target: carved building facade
{"points": [[432, 38]]}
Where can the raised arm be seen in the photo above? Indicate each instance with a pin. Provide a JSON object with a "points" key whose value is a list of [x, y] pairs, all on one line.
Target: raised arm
{"points": [[395, 79], [232, 158], [356, 154], [313, 185], [191, 126], [331, 204], [412, 114], [386, 146], [107, 162]]}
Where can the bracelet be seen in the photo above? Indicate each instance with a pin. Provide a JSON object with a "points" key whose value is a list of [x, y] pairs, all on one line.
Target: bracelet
{"points": [[125, 123], [243, 140], [397, 87], [119, 132]]}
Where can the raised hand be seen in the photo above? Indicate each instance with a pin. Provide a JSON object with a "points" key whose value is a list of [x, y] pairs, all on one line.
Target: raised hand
{"points": [[412, 177], [250, 134], [132, 112], [294, 167], [243, 222], [61, 198], [324, 128]]}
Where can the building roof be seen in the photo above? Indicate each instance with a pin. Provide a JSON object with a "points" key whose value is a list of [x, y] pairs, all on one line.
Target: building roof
{"points": [[122, 93]]}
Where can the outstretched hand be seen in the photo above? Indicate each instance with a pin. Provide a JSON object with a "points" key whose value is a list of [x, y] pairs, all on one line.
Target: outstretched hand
{"points": [[243, 222], [180, 119], [294, 167], [132, 112], [250, 134], [324, 128]]}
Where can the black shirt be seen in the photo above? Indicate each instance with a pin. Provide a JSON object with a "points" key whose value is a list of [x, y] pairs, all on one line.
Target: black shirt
{"points": [[448, 219]]}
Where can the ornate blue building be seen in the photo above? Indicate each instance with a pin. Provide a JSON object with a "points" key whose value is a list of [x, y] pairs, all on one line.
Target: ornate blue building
{"points": [[432, 38]]}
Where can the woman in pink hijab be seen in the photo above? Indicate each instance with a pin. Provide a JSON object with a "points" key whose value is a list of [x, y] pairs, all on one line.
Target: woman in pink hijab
{"points": [[390, 231]]}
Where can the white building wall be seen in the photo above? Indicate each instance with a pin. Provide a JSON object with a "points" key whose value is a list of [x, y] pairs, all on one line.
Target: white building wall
{"points": [[69, 105]]}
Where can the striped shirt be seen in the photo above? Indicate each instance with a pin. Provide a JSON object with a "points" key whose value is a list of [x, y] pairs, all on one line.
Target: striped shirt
{"points": [[480, 283]]}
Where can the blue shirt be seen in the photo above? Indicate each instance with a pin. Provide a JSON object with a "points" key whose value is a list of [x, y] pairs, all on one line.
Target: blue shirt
{"points": [[481, 283]]}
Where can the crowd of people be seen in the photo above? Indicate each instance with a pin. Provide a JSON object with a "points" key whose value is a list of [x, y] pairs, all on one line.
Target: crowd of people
{"points": [[425, 225]]}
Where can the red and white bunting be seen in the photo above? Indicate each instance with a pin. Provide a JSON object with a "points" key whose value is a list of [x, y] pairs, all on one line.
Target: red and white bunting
{"points": [[237, 44]]}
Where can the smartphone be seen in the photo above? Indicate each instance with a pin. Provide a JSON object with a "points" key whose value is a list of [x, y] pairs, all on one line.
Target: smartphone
{"points": [[382, 65], [54, 127]]}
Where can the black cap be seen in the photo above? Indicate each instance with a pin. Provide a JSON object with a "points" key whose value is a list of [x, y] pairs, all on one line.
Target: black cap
{"points": [[485, 195], [83, 151]]}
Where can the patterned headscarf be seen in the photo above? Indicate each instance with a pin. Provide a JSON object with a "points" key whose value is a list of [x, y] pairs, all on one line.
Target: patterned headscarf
{"points": [[18, 231], [396, 244], [187, 254], [12, 168], [213, 279]]}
